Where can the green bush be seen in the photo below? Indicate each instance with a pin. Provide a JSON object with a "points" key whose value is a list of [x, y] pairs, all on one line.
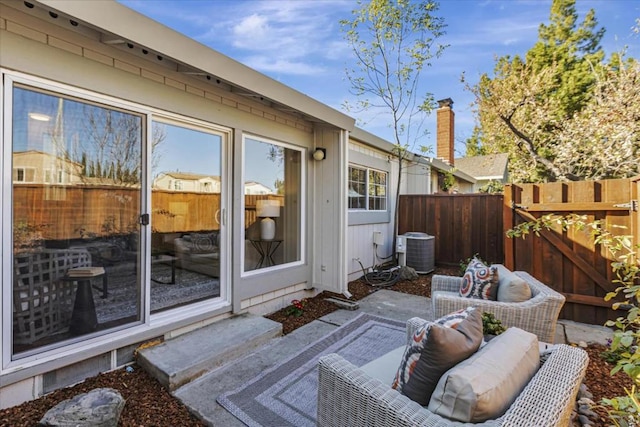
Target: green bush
{"points": [[491, 325]]}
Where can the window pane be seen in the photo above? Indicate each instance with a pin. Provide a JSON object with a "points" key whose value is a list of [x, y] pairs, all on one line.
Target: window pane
{"points": [[273, 204], [75, 206], [185, 216], [377, 190], [357, 188]]}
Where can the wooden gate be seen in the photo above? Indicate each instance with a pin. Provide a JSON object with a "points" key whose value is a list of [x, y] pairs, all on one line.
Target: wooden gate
{"points": [[569, 261]]}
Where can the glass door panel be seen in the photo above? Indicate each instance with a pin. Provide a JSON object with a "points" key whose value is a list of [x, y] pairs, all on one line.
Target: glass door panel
{"points": [[76, 192], [185, 215]]}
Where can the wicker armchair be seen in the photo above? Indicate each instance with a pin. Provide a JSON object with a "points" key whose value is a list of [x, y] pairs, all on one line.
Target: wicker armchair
{"points": [[538, 315], [348, 397], [42, 302]]}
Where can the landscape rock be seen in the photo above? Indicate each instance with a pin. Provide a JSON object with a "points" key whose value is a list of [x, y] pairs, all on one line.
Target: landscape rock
{"points": [[100, 407], [408, 273]]}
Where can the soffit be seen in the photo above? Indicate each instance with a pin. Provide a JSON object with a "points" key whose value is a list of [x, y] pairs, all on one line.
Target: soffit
{"points": [[122, 28]]}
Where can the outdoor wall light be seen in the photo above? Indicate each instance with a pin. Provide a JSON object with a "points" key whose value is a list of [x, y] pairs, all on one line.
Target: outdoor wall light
{"points": [[320, 154]]}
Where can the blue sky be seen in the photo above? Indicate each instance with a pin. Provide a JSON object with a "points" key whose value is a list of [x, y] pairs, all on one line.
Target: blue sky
{"points": [[300, 43]]}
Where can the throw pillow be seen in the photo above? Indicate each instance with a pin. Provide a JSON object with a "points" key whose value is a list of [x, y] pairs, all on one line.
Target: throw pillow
{"points": [[486, 384], [511, 287], [479, 281], [203, 242], [436, 348]]}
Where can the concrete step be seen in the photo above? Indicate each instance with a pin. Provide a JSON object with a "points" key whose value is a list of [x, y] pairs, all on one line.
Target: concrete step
{"points": [[180, 360]]}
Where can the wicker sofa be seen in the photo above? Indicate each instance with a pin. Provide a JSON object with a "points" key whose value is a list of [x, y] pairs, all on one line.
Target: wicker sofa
{"points": [[199, 252], [349, 397], [538, 315]]}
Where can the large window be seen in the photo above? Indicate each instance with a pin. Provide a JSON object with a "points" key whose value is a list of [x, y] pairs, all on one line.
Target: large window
{"points": [[367, 189], [273, 201]]}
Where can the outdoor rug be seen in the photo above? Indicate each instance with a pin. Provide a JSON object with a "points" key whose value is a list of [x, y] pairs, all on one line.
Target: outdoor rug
{"points": [[286, 395]]}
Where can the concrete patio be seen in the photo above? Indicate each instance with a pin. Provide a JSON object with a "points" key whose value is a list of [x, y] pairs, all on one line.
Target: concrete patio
{"points": [[227, 371]]}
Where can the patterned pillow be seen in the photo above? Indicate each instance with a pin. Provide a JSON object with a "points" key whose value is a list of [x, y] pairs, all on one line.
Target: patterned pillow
{"points": [[480, 281], [204, 242], [436, 347]]}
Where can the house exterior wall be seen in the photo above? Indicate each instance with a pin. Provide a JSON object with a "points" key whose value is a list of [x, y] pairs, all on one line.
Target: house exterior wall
{"points": [[362, 253], [31, 45]]}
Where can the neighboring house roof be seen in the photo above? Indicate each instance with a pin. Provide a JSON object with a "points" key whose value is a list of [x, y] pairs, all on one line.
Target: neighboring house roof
{"points": [[491, 166], [253, 187], [190, 176], [374, 141], [441, 166]]}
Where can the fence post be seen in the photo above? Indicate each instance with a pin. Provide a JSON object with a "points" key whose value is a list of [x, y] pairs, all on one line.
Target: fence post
{"points": [[634, 214], [507, 224]]}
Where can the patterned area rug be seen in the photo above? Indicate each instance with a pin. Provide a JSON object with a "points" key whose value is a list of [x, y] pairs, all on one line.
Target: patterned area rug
{"points": [[121, 302], [286, 395]]}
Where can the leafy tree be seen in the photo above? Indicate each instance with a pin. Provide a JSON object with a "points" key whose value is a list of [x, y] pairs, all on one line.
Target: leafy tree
{"points": [[392, 42], [559, 111]]}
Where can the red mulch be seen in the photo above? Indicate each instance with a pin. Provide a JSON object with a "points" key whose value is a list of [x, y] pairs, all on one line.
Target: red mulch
{"points": [[149, 404]]}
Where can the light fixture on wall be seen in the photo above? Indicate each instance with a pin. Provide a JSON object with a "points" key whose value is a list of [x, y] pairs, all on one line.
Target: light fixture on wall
{"points": [[320, 154], [267, 209]]}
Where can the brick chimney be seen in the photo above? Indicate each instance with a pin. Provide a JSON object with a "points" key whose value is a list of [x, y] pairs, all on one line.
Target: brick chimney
{"points": [[445, 119]]}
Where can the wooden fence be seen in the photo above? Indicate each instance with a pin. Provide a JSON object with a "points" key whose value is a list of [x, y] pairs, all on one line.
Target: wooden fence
{"points": [[463, 224], [569, 261], [71, 212]]}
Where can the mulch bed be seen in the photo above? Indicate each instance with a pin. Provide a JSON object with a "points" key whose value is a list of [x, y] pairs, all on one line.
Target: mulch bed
{"points": [[149, 404]]}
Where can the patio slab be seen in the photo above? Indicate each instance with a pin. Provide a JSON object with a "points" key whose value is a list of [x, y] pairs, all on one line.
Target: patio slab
{"points": [[200, 395]]}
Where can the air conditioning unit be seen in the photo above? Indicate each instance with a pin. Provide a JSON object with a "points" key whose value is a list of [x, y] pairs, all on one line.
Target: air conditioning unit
{"points": [[416, 250]]}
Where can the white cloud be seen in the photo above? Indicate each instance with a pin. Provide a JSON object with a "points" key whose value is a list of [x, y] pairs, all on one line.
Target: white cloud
{"points": [[248, 30], [283, 66]]}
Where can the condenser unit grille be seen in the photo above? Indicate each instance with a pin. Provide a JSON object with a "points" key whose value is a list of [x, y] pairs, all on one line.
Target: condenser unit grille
{"points": [[420, 252]]}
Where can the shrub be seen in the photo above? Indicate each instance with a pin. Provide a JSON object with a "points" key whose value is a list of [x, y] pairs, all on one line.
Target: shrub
{"points": [[623, 351]]}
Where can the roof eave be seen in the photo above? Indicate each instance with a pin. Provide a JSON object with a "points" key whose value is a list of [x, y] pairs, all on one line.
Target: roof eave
{"points": [[119, 20]]}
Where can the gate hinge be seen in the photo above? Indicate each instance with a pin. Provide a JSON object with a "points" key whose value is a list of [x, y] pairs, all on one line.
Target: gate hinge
{"points": [[632, 205]]}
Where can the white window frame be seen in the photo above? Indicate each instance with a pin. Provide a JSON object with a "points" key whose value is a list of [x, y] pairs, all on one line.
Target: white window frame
{"points": [[24, 170], [367, 196], [303, 203]]}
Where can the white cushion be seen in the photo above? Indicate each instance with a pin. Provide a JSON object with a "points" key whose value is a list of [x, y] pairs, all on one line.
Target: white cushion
{"points": [[511, 287], [384, 367], [486, 384]]}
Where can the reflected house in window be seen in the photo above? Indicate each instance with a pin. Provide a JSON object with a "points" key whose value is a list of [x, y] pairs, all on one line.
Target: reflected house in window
{"points": [[253, 187], [185, 181], [37, 167]]}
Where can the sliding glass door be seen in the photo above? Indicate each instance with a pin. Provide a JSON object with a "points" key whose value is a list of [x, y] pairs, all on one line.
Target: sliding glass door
{"points": [[116, 214], [187, 187], [76, 202]]}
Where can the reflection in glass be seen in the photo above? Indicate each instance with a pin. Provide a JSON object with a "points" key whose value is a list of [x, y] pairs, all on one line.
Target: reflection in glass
{"points": [[273, 203], [76, 203], [185, 218]]}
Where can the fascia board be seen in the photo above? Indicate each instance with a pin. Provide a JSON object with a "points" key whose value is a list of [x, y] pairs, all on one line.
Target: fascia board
{"points": [[117, 19], [445, 167], [367, 138]]}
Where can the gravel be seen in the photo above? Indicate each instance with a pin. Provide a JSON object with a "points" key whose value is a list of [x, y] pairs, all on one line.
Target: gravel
{"points": [[149, 404]]}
